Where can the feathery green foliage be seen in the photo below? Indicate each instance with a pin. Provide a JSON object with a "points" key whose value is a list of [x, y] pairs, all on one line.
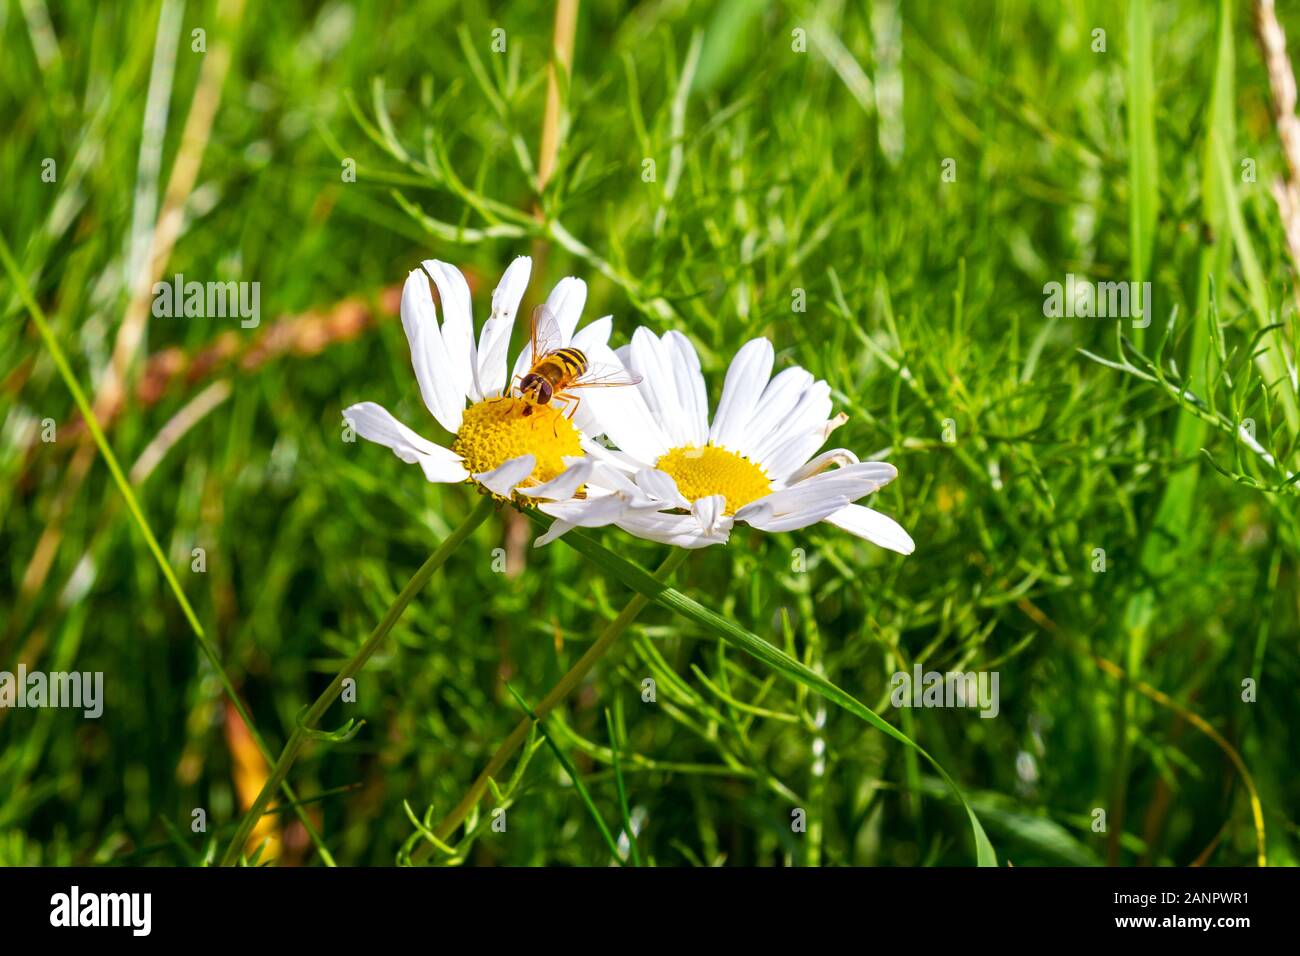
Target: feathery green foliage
{"points": [[1104, 515]]}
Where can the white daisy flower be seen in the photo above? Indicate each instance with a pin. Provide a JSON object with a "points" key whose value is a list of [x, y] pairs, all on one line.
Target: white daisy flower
{"points": [[504, 442], [753, 464]]}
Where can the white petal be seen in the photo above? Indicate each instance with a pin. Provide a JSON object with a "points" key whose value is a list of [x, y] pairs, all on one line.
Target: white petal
{"points": [[457, 323], [651, 360], [593, 335], [587, 512], [503, 479], [610, 479], [849, 483], [523, 362], [598, 406], [556, 529], [691, 394], [808, 417], [580, 513], [836, 456], [808, 414], [584, 417], [789, 500], [374, 423], [564, 485], [682, 531], [627, 421], [565, 302], [428, 354], [771, 517], [784, 461], [611, 459], [659, 485], [874, 527], [709, 511], [494, 340], [594, 406], [825, 492], [778, 401], [613, 478], [746, 378], [873, 475]]}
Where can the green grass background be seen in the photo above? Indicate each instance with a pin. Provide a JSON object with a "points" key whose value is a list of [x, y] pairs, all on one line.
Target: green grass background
{"points": [[776, 170]]}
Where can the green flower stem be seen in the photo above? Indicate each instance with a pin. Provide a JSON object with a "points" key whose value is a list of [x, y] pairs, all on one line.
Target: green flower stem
{"points": [[307, 723], [567, 684]]}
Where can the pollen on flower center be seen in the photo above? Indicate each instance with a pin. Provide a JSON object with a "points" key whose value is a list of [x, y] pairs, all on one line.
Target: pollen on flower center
{"points": [[701, 472], [496, 430]]}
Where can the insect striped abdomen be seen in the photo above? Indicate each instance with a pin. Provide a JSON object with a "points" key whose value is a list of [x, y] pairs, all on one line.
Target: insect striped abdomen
{"points": [[552, 372], [561, 366]]}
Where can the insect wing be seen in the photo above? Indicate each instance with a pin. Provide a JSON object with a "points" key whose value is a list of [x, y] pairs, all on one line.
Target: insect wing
{"points": [[604, 375], [546, 336]]}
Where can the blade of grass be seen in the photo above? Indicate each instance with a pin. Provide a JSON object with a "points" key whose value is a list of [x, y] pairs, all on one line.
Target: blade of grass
{"points": [[1143, 165], [622, 791], [572, 771], [567, 684], [1173, 516], [647, 585], [137, 513], [306, 724]]}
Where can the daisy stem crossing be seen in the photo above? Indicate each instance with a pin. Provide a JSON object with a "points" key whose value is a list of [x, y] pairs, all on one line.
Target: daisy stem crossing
{"points": [[566, 685], [306, 725]]}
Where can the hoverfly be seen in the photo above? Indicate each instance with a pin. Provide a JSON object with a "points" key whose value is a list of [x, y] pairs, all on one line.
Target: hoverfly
{"points": [[555, 373]]}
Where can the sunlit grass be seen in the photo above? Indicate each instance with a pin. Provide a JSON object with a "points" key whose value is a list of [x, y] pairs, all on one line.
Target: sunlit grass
{"points": [[782, 198]]}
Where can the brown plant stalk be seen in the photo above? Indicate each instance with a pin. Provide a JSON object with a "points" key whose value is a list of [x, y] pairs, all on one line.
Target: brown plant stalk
{"points": [[1282, 87]]}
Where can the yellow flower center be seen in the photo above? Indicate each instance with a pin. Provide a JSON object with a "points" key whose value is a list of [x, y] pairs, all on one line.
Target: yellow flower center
{"points": [[496, 430], [701, 472]]}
